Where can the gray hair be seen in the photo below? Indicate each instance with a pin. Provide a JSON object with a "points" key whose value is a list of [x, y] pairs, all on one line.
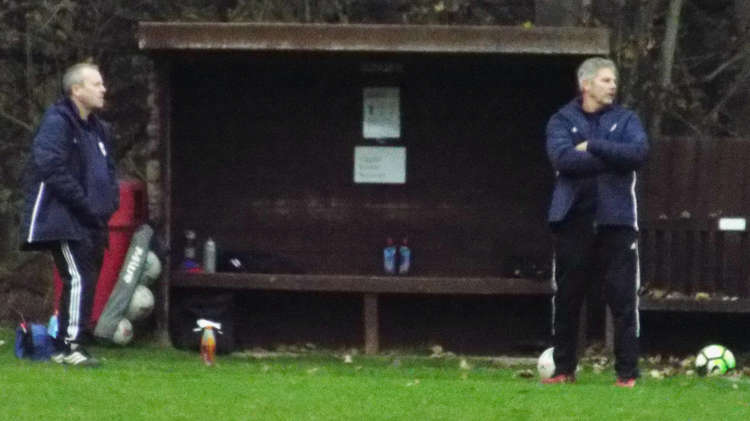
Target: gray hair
{"points": [[74, 75], [590, 67]]}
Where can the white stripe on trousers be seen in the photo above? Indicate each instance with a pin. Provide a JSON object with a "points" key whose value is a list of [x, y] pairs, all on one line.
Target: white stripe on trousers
{"points": [[553, 282], [637, 288], [74, 304]]}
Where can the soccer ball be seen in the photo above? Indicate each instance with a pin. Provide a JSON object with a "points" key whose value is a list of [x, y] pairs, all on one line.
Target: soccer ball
{"points": [[151, 270], [124, 332], [545, 365], [714, 360], [141, 304]]}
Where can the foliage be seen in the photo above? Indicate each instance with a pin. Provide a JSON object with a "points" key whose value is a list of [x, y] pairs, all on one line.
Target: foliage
{"points": [[711, 74], [487, 12]]}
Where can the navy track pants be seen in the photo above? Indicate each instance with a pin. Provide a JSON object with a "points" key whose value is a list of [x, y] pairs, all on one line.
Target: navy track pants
{"points": [[78, 263], [584, 255]]}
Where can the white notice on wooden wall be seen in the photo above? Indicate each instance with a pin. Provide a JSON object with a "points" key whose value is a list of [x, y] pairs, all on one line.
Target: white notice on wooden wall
{"points": [[380, 164], [381, 118]]}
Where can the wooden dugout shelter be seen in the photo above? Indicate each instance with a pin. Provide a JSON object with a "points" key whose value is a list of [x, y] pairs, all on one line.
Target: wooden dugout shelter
{"points": [[302, 147]]}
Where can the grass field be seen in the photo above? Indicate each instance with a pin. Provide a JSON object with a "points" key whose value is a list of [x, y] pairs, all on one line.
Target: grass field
{"points": [[144, 382]]}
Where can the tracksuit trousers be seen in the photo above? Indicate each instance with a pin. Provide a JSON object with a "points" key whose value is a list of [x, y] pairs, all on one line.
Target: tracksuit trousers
{"points": [[585, 254], [78, 264]]}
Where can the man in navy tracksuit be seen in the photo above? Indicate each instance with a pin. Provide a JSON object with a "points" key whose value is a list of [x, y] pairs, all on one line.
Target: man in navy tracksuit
{"points": [[595, 148], [71, 191]]}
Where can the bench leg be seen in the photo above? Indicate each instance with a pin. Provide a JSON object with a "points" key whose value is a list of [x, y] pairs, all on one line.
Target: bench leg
{"points": [[609, 331], [370, 310], [583, 317]]}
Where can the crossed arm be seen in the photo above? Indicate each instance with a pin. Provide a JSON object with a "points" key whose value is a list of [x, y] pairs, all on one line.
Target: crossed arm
{"points": [[593, 156]]}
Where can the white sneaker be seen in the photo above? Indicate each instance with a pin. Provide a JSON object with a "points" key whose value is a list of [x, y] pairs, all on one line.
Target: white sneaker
{"points": [[58, 357], [78, 356]]}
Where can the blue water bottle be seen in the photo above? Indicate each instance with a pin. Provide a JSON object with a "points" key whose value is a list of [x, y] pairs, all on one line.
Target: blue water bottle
{"points": [[404, 257], [52, 326], [389, 257]]}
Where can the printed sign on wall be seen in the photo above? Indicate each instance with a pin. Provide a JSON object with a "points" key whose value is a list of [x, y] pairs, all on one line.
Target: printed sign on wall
{"points": [[381, 118], [380, 164]]}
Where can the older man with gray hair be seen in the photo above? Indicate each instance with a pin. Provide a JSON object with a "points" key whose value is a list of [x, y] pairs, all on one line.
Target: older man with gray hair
{"points": [[71, 191], [595, 148]]}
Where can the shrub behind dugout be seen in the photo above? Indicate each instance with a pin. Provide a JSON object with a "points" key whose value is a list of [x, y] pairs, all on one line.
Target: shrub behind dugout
{"points": [[127, 281]]}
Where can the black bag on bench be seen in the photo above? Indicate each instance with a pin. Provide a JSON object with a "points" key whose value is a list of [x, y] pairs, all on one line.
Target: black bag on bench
{"points": [[190, 305]]}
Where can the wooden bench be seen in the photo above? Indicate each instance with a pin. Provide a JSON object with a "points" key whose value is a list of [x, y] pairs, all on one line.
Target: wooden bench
{"points": [[692, 255], [695, 255], [682, 254], [369, 286]]}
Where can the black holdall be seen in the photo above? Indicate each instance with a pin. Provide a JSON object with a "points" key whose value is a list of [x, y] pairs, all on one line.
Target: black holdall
{"points": [[188, 306]]}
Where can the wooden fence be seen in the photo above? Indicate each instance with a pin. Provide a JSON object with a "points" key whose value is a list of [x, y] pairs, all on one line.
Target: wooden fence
{"points": [[688, 187]]}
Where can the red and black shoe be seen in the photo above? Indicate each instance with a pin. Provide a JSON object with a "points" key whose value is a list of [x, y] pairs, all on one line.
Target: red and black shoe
{"points": [[560, 379], [625, 383]]}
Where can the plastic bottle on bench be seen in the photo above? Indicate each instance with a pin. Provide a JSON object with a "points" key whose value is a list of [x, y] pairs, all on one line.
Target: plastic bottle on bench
{"points": [[209, 256], [404, 257], [389, 257], [188, 262]]}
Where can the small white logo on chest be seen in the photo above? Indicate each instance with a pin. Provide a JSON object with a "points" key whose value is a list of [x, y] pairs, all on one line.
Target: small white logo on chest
{"points": [[101, 148], [614, 126], [574, 129]]}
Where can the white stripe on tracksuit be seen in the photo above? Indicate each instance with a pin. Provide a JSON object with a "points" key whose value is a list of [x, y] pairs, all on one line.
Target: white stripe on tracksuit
{"points": [[75, 302], [37, 202], [554, 288]]}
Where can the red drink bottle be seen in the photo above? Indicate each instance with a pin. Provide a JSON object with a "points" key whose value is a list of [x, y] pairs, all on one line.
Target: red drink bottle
{"points": [[208, 345]]}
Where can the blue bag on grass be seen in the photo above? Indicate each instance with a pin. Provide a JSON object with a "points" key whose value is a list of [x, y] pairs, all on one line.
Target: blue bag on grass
{"points": [[33, 342]]}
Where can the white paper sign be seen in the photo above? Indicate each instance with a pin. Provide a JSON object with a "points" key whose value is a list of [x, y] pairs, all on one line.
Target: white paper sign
{"points": [[380, 164], [381, 118], [731, 224]]}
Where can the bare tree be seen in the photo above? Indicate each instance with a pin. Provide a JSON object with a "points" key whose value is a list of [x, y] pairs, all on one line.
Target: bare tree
{"points": [[668, 51], [741, 82]]}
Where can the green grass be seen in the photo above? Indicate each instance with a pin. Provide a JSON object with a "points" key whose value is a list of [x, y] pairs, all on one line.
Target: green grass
{"points": [[145, 382]]}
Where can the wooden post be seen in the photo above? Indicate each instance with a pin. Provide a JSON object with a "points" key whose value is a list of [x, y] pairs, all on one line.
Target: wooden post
{"points": [[609, 331], [370, 313], [162, 118], [582, 327]]}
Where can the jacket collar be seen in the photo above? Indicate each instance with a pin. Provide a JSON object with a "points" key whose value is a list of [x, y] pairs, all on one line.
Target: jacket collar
{"points": [[71, 110], [574, 109]]}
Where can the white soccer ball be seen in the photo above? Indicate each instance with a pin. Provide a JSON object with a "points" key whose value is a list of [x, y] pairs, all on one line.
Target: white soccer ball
{"points": [[124, 332], [151, 269], [714, 360], [141, 304], [545, 365]]}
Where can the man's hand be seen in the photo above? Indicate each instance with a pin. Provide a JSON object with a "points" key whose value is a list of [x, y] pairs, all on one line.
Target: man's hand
{"points": [[582, 146]]}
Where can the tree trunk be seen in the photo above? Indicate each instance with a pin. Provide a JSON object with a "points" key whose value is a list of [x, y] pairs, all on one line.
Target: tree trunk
{"points": [[742, 17], [641, 35], [668, 50]]}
